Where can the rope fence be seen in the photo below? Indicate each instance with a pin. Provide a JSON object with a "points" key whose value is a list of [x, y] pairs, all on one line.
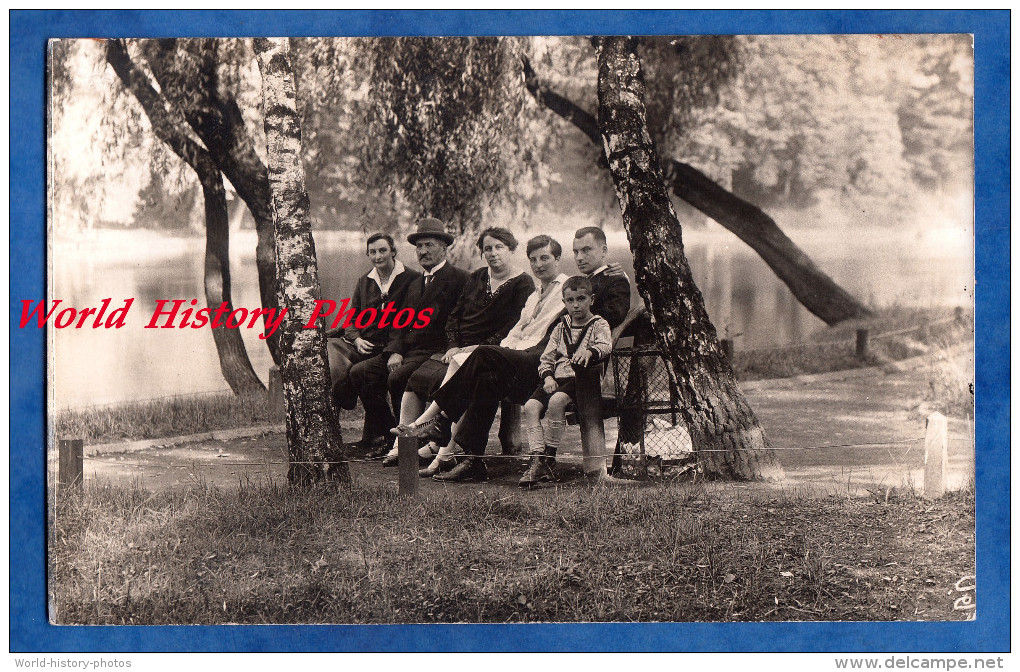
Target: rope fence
{"points": [[71, 461], [564, 458], [866, 336]]}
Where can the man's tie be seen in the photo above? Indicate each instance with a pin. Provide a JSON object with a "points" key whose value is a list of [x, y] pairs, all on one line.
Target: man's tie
{"points": [[428, 280]]}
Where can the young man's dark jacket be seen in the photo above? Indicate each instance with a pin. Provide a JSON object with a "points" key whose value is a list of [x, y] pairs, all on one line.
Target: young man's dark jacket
{"points": [[368, 295], [441, 295], [610, 296]]}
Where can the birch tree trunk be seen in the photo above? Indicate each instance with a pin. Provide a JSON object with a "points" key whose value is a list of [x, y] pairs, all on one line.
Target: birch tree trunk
{"points": [[313, 433], [722, 425], [170, 126], [815, 290]]}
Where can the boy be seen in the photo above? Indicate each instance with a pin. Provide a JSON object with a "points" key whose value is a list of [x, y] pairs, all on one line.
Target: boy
{"points": [[578, 339]]}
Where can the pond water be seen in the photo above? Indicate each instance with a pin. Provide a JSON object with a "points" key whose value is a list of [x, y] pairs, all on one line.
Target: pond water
{"points": [[743, 297]]}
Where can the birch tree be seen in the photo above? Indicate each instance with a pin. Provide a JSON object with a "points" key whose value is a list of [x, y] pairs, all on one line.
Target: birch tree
{"points": [[723, 427], [313, 432]]}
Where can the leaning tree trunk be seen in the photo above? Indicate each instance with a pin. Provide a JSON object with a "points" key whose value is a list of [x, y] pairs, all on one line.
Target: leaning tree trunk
{"points": [[170, 127], [313, 433], [188, 76], [815, 290], [722, 425]]}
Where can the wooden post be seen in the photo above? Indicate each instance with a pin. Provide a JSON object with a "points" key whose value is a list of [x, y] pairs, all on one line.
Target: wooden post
{"points": [[511, 430], [727, 348], [936, 455], [277, 404], [70, 468], [407, 465], [588, 382], [862, 343]]}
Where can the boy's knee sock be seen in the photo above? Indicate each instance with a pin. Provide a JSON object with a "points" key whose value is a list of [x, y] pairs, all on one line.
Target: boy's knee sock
{"points": [[536, 439], [554, 435]]}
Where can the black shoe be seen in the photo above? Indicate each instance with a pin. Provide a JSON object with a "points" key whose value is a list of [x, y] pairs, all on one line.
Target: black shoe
{"points": [[441, 431], [436, 467], [374, 442], [539, 471], [381, 451], [471, 469], [390, 460]]}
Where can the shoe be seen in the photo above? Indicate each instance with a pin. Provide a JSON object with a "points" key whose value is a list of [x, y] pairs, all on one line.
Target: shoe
{"points": [[550, 456], [427, 453], [420, 431], [390, 460], [436, 467], [381, 451], [471, 469], [441, 432], [539, 471], [374, 442]]}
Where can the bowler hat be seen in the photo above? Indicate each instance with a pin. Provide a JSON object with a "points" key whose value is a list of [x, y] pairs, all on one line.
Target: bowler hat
{"points": [[430, 227]]}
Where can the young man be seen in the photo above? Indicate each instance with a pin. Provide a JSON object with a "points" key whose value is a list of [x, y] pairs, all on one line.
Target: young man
{"points": [[611, 290], [437, 289], [579, 338]]}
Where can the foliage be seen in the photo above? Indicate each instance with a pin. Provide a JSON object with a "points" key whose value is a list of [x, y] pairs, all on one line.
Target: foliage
{"points": [[100, 148], [444, 124], [936, 109], [398, 127]]}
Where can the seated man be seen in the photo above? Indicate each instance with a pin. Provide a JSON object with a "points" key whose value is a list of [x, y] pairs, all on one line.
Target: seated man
{"points": [[387, 283], [489, 306], [579, 338], [540, 312], [471, 397], [434, 294]]}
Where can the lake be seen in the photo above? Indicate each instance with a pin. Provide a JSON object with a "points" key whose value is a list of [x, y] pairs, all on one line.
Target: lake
{"points": [[743, 297]]}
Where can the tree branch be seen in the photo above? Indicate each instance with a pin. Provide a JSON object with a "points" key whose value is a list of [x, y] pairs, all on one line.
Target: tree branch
{"points": [[815, 290], [562, 106]]}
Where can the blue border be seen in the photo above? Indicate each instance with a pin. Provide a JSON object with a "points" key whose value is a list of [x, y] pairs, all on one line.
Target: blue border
{"points": [[29, 629]]}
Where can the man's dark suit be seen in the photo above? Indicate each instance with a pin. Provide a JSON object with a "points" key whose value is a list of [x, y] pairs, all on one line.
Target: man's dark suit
{"points": [[372, 377]]}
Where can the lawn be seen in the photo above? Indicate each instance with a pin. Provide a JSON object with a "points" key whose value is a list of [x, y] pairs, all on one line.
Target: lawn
{"points": [[266, 553]]}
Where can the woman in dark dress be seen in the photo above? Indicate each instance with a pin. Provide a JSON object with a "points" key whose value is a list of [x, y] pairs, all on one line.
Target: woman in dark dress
{"points": [[489, 306]]}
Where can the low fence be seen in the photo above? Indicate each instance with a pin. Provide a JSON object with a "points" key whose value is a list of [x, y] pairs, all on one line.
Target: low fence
{"points": [[936, 459], [863, 338]]}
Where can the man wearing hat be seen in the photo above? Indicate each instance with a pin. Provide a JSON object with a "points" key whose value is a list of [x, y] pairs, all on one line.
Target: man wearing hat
{"points": [[438, 288]]}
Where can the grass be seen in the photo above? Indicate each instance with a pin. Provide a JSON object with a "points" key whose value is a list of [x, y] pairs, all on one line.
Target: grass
{"points": [[170, 416], [927, 331], [266, 553]]}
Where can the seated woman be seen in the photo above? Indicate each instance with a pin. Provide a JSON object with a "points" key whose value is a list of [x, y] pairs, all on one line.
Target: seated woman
{"points": [[489, 306], [528, 337], [472, 396], [387, 282]]}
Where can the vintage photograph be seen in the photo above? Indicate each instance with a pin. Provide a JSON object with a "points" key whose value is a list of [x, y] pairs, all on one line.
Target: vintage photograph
{"points": [[510, 329]]}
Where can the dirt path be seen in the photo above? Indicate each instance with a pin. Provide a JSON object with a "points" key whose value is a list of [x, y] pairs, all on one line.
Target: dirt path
{"points": [[856, 433]]}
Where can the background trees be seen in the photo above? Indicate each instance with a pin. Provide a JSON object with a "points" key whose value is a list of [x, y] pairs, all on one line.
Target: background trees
{"points": [[828, 130]]}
